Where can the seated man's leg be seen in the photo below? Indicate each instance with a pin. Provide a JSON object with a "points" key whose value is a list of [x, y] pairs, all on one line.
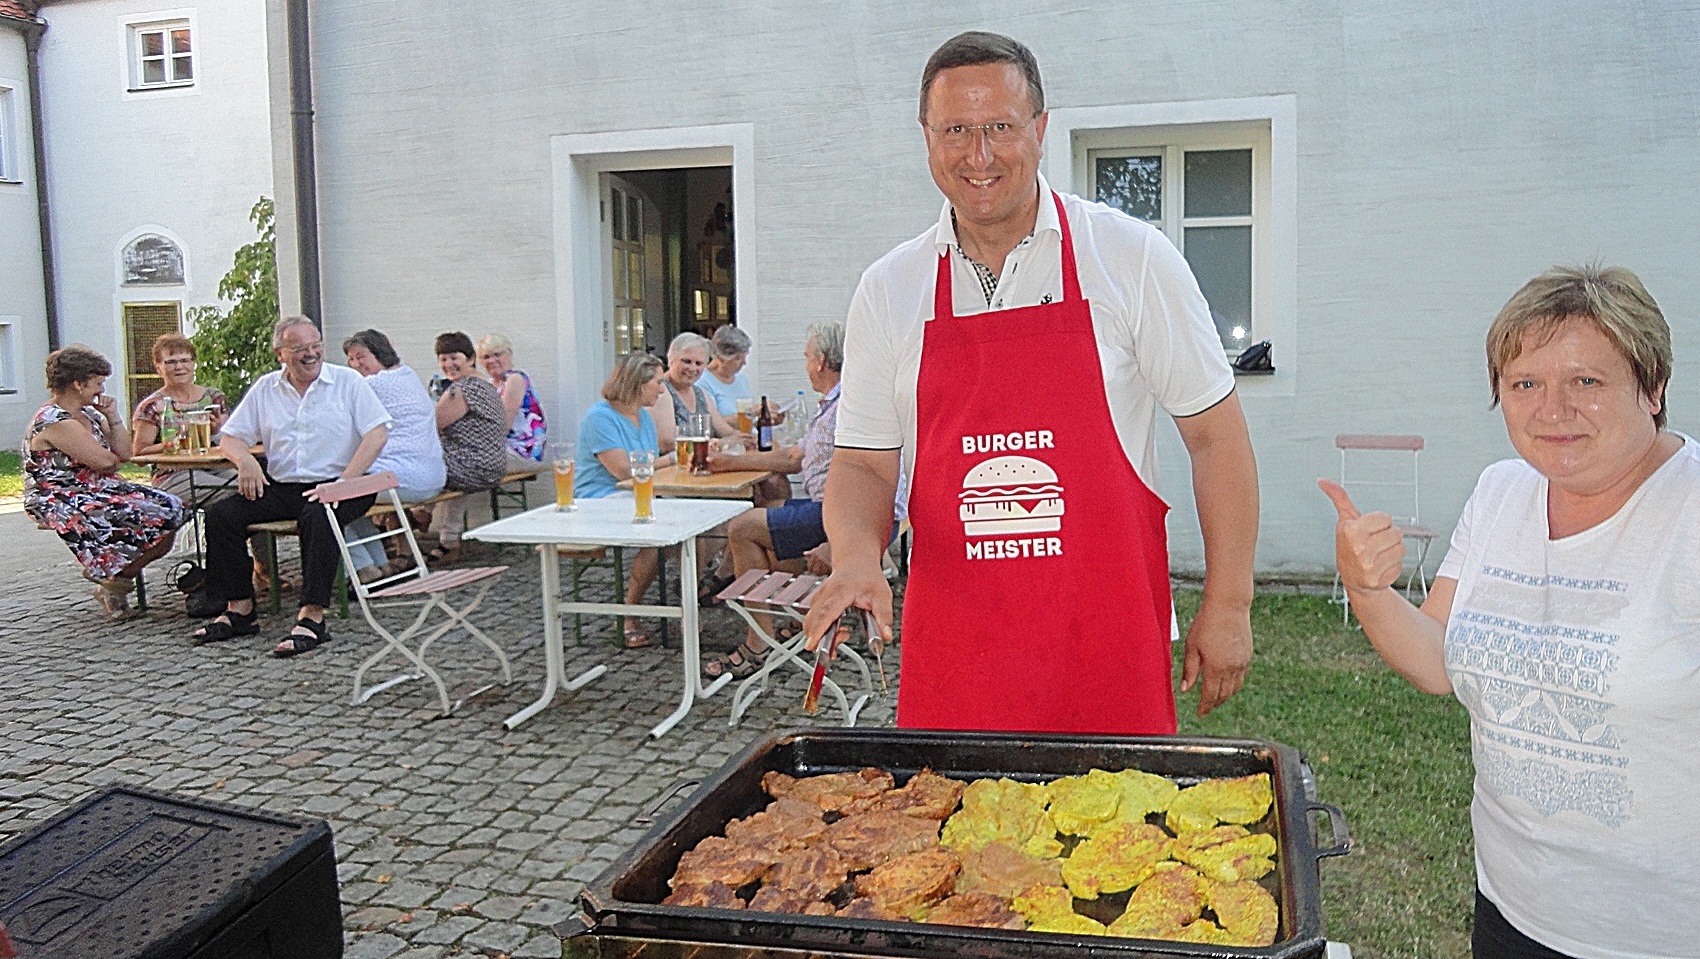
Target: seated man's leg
{"points": [[319, 554], [228, 563], [773, 539]]}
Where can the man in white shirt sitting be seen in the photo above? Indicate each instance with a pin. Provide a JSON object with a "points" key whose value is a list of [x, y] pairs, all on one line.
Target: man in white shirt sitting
{"points": [[319, 423]]}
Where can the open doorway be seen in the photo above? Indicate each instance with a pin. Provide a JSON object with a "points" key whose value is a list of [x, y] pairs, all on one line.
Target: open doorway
{"points": [[670, 255]]}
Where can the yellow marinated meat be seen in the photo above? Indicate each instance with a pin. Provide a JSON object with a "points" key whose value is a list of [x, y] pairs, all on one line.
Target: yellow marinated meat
{"points": [[1003, 810], [1242, 800], [1203, 931], [1079, 803], [1247, 911], [1172, 897], [1115, 858], [1143, 794], [1071, 923], [1226, 857], [1044, 902]]}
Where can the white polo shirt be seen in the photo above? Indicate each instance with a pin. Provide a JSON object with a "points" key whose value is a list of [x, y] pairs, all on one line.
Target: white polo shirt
{"points": [[309, 437], [1156, 342]]}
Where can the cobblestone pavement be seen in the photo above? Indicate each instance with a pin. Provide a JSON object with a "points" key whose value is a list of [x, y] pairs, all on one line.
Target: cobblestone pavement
{"points": [[453, 836]]}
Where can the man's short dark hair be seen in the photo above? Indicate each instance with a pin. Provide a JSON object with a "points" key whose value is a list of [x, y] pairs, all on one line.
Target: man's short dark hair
{"points": [[976, 47], [377, 344], [455, 342]]}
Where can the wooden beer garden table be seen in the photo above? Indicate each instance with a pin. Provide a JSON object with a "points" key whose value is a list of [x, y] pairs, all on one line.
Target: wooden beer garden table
{"points": [[671, 482]]}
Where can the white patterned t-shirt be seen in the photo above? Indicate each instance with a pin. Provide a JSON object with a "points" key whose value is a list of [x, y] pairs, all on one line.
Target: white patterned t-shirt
{"points": [[1579, 662]]}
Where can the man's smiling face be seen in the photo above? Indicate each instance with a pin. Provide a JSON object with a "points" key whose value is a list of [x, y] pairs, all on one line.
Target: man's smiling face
{"points": [[989, 184]]}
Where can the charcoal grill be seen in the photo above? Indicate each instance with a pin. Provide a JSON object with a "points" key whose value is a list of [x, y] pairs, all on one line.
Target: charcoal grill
{"points": [[622, 916]]}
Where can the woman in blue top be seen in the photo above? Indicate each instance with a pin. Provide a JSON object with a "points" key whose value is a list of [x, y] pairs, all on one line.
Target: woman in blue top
{"points": [[723, 379], [617, 424]]}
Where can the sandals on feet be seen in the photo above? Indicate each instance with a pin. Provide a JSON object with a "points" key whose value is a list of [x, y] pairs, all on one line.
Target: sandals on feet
{"points": [[441, 554], [228, 625], [317, 634], [708, 592], [740, 662], [636, 638], [114, 603]]}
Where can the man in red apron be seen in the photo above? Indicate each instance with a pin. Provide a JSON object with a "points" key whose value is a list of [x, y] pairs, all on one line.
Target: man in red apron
{"points": [[1015, 355]]}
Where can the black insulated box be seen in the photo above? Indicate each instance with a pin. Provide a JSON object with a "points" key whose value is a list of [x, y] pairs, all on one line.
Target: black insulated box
{"points": [[134, 873]]}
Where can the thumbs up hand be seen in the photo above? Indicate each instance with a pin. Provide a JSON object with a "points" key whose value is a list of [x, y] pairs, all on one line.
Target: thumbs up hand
{"points": [[1369, 550]]}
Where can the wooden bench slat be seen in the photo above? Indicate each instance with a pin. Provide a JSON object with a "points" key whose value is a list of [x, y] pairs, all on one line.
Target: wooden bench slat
{"points": [[764, 590], [803, 602], [795, 590], [439, 582], [735, 590]]}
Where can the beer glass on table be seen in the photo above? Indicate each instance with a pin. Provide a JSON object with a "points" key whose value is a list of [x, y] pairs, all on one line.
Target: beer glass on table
{"points": [[746, 413], [198, 426], [565, 467], [643, 484], [684, 448], [701, 430]]}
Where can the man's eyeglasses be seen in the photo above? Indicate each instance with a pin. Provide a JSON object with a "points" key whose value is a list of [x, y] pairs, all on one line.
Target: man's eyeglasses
{"points": [[308, 350], [1002, 133]]}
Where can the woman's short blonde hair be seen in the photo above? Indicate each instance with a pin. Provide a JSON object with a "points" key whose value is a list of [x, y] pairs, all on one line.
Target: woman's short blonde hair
{"points": [[1612, 298], [631, 373], [495, 343]]}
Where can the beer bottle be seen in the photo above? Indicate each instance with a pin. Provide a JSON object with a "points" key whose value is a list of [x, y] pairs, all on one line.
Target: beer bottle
{"points": [[764, 428], [170, 426]]}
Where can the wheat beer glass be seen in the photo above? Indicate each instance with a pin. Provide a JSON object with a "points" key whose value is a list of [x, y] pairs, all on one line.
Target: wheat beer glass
{"points": [[199, 429], [746, 409], [565, 467], [684, 447], [643, 484]]}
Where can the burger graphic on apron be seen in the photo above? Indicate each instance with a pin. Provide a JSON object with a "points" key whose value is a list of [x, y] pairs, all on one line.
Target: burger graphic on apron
{"points": [[1010, 494]]}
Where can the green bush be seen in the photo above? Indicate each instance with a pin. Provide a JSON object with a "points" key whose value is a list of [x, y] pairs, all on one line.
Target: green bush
{"points": [[235, 347]]}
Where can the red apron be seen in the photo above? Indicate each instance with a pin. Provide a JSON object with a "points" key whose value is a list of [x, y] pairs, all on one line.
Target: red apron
{"points": [[1038, 598]]}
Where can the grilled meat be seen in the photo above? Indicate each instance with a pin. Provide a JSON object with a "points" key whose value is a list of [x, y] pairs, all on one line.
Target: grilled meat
{"points": [[1247, 912], [867, 840], [771, 898], [1003, 810], [1115, 858], [1078, 803], [1242, 800], [907, 885], [718, 859], [1227, 853], [1002, 870], [709, 895], [1203, 931], [926, 795], [815, 872], [976, 909], [1044, 902], [1171, 898], [785, 824], [832, 792], [867, 909], [1072, 923]]}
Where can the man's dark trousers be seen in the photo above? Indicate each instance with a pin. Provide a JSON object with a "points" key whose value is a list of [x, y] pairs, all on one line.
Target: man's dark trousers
{"points": [[230, 568]]}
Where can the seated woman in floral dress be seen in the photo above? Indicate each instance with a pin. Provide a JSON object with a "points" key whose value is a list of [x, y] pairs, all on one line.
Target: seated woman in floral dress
{"points": [[72, 449]]}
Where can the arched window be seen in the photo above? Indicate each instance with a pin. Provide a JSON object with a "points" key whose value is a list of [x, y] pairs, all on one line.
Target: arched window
{"points": [[152, 260]]}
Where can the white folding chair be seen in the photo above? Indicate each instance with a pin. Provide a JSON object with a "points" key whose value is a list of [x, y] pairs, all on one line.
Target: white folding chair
{"points": [[415, 587], [785, 595], [1375, 480]]}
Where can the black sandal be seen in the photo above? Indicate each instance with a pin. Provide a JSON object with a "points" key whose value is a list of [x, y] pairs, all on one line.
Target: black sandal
{"points": [[297, 643], [708, 592], [229, 625]]}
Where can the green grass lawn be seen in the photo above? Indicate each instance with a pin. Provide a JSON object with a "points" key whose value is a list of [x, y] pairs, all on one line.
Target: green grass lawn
{"points": [[12, 474], [1395, 760]]}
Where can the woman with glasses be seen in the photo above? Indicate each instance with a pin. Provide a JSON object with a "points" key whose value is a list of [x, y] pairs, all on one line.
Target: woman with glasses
{"points": [[527, 429], [174, 359]]}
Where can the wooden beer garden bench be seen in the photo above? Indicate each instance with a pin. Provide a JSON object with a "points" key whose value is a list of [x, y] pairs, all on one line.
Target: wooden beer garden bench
{"points": [[270, 531]]}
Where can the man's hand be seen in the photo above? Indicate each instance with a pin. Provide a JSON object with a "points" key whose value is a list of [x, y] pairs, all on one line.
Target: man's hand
{"points": [[846, 587], [1218, 649], [250, 479], [819, 560], [1369, 550]]}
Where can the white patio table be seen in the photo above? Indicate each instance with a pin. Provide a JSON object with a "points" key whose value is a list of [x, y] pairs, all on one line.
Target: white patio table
{"points": [[608, 522]]}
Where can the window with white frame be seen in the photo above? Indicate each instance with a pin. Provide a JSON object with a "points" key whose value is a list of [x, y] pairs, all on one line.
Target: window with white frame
{"points": [[9, 355], [161, 55], [1207, 187], [8, 138]]}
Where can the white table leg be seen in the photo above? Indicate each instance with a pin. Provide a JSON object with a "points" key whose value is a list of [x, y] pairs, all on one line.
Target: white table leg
{"points": [[553, 655], [691, 654]]}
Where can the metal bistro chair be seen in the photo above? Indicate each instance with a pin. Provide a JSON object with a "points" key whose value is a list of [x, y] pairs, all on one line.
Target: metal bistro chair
{"points": [[1387, 490], [784, 595], [415, 587]]}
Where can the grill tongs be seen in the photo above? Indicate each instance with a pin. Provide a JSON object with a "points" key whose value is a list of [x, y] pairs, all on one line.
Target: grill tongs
{"points": [[829, 642]]}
